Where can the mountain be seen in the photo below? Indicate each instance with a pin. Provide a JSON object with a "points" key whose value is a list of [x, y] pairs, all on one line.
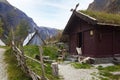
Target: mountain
{"points": [[12, 17], [43, 32], [110, 6], [47, 32]]}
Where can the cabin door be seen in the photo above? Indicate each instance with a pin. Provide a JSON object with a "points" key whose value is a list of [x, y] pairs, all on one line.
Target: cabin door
{"points": [[80, 39]]}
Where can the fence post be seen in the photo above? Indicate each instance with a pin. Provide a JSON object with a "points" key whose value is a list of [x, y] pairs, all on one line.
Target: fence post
{"points": [[54, 68], [42, 64]]}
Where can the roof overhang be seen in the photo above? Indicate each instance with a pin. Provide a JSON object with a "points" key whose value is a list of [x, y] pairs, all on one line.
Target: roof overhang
{"points": [[86, 18], [80, 15]]}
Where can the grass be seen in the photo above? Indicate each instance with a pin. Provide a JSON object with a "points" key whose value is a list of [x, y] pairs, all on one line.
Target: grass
{"points": [[36, 67], [32, 51], [106, 72], [50, 51], [104, 17], [110, 68], [13, 70], [77, 65]]}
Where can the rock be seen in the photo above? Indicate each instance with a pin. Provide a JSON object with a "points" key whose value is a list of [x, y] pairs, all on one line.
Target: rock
{"points": [[111, 6], [115, 73]]}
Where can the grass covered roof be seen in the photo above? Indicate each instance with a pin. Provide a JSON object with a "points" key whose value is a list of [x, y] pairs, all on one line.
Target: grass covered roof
{"points": [[103, 17]]}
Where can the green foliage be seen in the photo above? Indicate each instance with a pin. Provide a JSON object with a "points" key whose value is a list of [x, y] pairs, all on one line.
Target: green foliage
{"points": [[21, 32], [13, 70], [104, 17], [78, 65], [9, 39], [1, 29]]}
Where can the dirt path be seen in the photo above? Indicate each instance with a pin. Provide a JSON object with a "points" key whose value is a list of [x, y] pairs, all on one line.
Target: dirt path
{"points": [[3, 74], [70, 73]]}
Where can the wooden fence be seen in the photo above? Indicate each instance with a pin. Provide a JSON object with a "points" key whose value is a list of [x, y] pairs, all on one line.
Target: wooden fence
{"points": [[22, 62]]}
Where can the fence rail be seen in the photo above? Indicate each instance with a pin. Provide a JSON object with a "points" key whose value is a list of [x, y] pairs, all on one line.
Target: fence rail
{"points": [[22, 62]]}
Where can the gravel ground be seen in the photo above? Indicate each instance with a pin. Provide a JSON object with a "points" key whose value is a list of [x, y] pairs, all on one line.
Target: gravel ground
{"points": [[3, 74], [70, 73]]}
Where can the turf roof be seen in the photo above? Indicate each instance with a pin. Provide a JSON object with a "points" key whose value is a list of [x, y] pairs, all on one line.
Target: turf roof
{"points": [[103, 17]]}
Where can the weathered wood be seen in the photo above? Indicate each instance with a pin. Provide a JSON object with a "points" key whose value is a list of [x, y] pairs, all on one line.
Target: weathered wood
{"points": [[42, 64], [54, 68], [22, 63], [34, 60]]}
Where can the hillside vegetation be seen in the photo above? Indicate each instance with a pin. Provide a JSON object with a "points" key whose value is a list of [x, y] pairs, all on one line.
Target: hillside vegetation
{"points": [[14, 71], [104, 17]]}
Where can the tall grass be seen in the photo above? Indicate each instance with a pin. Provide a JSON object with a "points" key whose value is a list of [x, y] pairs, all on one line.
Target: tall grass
{"points": [[13, 70]]}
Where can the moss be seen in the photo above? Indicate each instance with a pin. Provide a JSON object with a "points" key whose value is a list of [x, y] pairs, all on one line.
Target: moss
{"points": [[104, 17]]}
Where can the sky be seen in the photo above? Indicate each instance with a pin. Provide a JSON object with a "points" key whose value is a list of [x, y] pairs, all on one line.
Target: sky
{"points": [[50, 13]]}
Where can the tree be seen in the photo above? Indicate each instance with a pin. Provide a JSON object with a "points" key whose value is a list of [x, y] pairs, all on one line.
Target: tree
{"points": [[21, 32], [1, 29]]}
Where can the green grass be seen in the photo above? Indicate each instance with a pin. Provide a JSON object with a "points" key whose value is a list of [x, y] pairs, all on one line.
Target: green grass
{"points": [[36, 67], [104, 17], [50, 51], [13, 70], [32, 51], [110, 68], [106, 72], [78, 65]]}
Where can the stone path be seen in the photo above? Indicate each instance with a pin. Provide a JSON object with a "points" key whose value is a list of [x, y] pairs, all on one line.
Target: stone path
{"points": [[3, 74], [70, 73]]}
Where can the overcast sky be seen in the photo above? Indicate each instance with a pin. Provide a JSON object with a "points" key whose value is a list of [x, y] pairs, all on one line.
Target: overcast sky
{"points": [[50, 13]]}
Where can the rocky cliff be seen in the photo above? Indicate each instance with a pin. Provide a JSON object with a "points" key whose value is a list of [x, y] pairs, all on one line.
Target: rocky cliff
{"points": [[111, 6]]}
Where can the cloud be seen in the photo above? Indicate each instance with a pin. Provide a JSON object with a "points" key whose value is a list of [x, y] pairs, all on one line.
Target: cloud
{"points": [[53, 13]]}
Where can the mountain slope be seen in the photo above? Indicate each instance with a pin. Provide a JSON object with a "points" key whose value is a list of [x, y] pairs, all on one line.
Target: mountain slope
{"points": [[111, 6], [12, 17]]}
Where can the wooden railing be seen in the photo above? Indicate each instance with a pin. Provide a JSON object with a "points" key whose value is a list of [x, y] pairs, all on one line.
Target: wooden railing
{"points": [[22, 62]]}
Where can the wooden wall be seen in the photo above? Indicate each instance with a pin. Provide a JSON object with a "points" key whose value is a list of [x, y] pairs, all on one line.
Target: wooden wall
{"points": [[105, 41]]}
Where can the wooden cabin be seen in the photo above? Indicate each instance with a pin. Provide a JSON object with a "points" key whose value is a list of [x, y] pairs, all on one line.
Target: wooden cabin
{"points": [[95, 36]]}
